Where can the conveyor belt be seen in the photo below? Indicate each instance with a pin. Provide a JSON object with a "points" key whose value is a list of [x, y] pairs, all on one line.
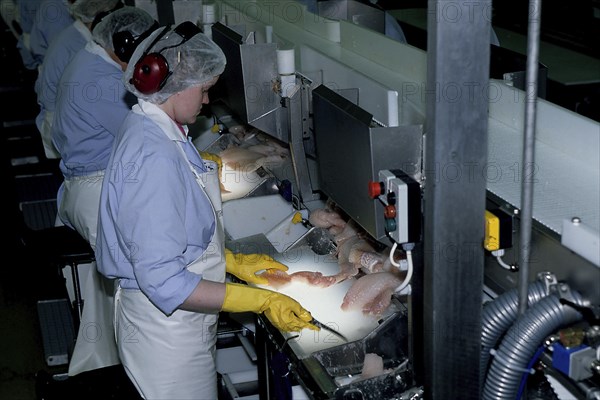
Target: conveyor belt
{"points": [[323, 303], [565, 186]]}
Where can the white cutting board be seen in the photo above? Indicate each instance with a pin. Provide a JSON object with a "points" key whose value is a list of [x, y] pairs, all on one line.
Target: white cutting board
{"points": [[323, 303], [269, 215]]}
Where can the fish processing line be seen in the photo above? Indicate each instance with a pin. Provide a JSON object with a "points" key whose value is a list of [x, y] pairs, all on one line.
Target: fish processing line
{"points": [[355, 111]]}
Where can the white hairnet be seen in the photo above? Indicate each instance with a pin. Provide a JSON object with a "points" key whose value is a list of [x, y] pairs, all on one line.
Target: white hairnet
{"points": [[132, 19], [192, 63], [86, 10]]}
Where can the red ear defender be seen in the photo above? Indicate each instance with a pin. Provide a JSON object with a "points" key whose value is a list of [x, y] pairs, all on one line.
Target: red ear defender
{"points": [[150, 73]]}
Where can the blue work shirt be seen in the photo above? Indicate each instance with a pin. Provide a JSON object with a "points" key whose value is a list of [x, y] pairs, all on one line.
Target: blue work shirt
{"points": [[91, 105], [61, 51], [51, 18], [27, 12], [154, 218]]}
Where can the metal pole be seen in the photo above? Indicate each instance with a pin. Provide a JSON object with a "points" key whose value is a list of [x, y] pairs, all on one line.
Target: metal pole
{"points": [[458, 60], [528, 167]]}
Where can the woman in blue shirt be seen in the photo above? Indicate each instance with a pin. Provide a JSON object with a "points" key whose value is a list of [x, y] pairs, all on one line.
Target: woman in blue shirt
{"points": [[91, 105], [90, 108], [160, 228], [59, 54], [51, 17]]}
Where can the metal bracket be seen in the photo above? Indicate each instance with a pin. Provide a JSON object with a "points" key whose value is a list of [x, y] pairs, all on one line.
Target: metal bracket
{"points": [[563, 291], [297, 106], [247, 346], [549, 280]]}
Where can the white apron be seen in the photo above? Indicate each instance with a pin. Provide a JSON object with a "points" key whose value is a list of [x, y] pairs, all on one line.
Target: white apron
{"points": [[173, 357], [95, 346]]}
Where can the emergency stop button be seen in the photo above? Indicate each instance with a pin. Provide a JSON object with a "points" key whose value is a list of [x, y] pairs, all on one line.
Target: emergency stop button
{"points": [[375, 189]]}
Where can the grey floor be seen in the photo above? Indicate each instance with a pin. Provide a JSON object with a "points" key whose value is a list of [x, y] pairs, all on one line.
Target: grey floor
{"points": [[21, 353]]}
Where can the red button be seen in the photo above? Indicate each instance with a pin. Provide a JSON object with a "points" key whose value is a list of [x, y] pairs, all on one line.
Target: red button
{"points": [[389, 212], [375, 189]]}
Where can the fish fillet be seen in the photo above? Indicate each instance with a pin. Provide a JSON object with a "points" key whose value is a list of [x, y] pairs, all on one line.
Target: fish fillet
{"points": [[372, 366], [347, 270], [349, 231], [325, 218], [268, 149], [344, 249], [239, 174], [243, 133], [240, 158], [363, 254], [372, 293], [278, 279]]}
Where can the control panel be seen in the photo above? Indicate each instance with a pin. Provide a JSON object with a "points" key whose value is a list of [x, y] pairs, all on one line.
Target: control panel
{"points": [[401, 198]]}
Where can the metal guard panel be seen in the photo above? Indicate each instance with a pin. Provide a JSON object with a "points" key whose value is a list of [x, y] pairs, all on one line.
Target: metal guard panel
{"points": [[246, 85], [351, 153], [231, 85]]}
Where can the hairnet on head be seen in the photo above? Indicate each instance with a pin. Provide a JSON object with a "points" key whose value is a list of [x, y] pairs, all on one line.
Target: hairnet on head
{"points": [[86, 10], [132, 19], [191, 63]]}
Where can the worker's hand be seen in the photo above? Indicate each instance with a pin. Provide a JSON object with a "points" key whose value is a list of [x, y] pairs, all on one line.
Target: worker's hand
{"points": [[213, 157], [245, 266], [285, 313]]}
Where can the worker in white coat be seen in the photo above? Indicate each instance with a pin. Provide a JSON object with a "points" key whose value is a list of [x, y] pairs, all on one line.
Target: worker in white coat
{"points": [[160, 228], [59, 54], [90, 108]]}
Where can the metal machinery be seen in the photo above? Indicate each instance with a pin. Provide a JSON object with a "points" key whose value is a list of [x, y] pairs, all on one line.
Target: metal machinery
{"points": [[442, 144]]}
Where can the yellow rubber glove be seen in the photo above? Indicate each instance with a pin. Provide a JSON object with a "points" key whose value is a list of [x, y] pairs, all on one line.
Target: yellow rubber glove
{"points": [[245, 266], [212, 157], [285, 313]]}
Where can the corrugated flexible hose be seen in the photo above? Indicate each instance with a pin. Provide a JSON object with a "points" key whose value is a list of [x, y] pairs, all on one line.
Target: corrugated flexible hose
{"points": [[521, 341], [499, 315]]}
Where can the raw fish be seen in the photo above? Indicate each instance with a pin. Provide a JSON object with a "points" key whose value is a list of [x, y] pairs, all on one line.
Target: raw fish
{"points": [[325, 218], [243, 133], [363, 254], [372, 293], [347, 270], [240, 158], [349, 231], [344, 248], [372, 366], [239, 174], [269, 149], [352, 248], [278, 279]]}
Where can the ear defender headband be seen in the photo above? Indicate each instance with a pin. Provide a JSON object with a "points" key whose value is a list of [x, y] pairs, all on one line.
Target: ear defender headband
{"points": [[124, 43], [152, 70]]}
